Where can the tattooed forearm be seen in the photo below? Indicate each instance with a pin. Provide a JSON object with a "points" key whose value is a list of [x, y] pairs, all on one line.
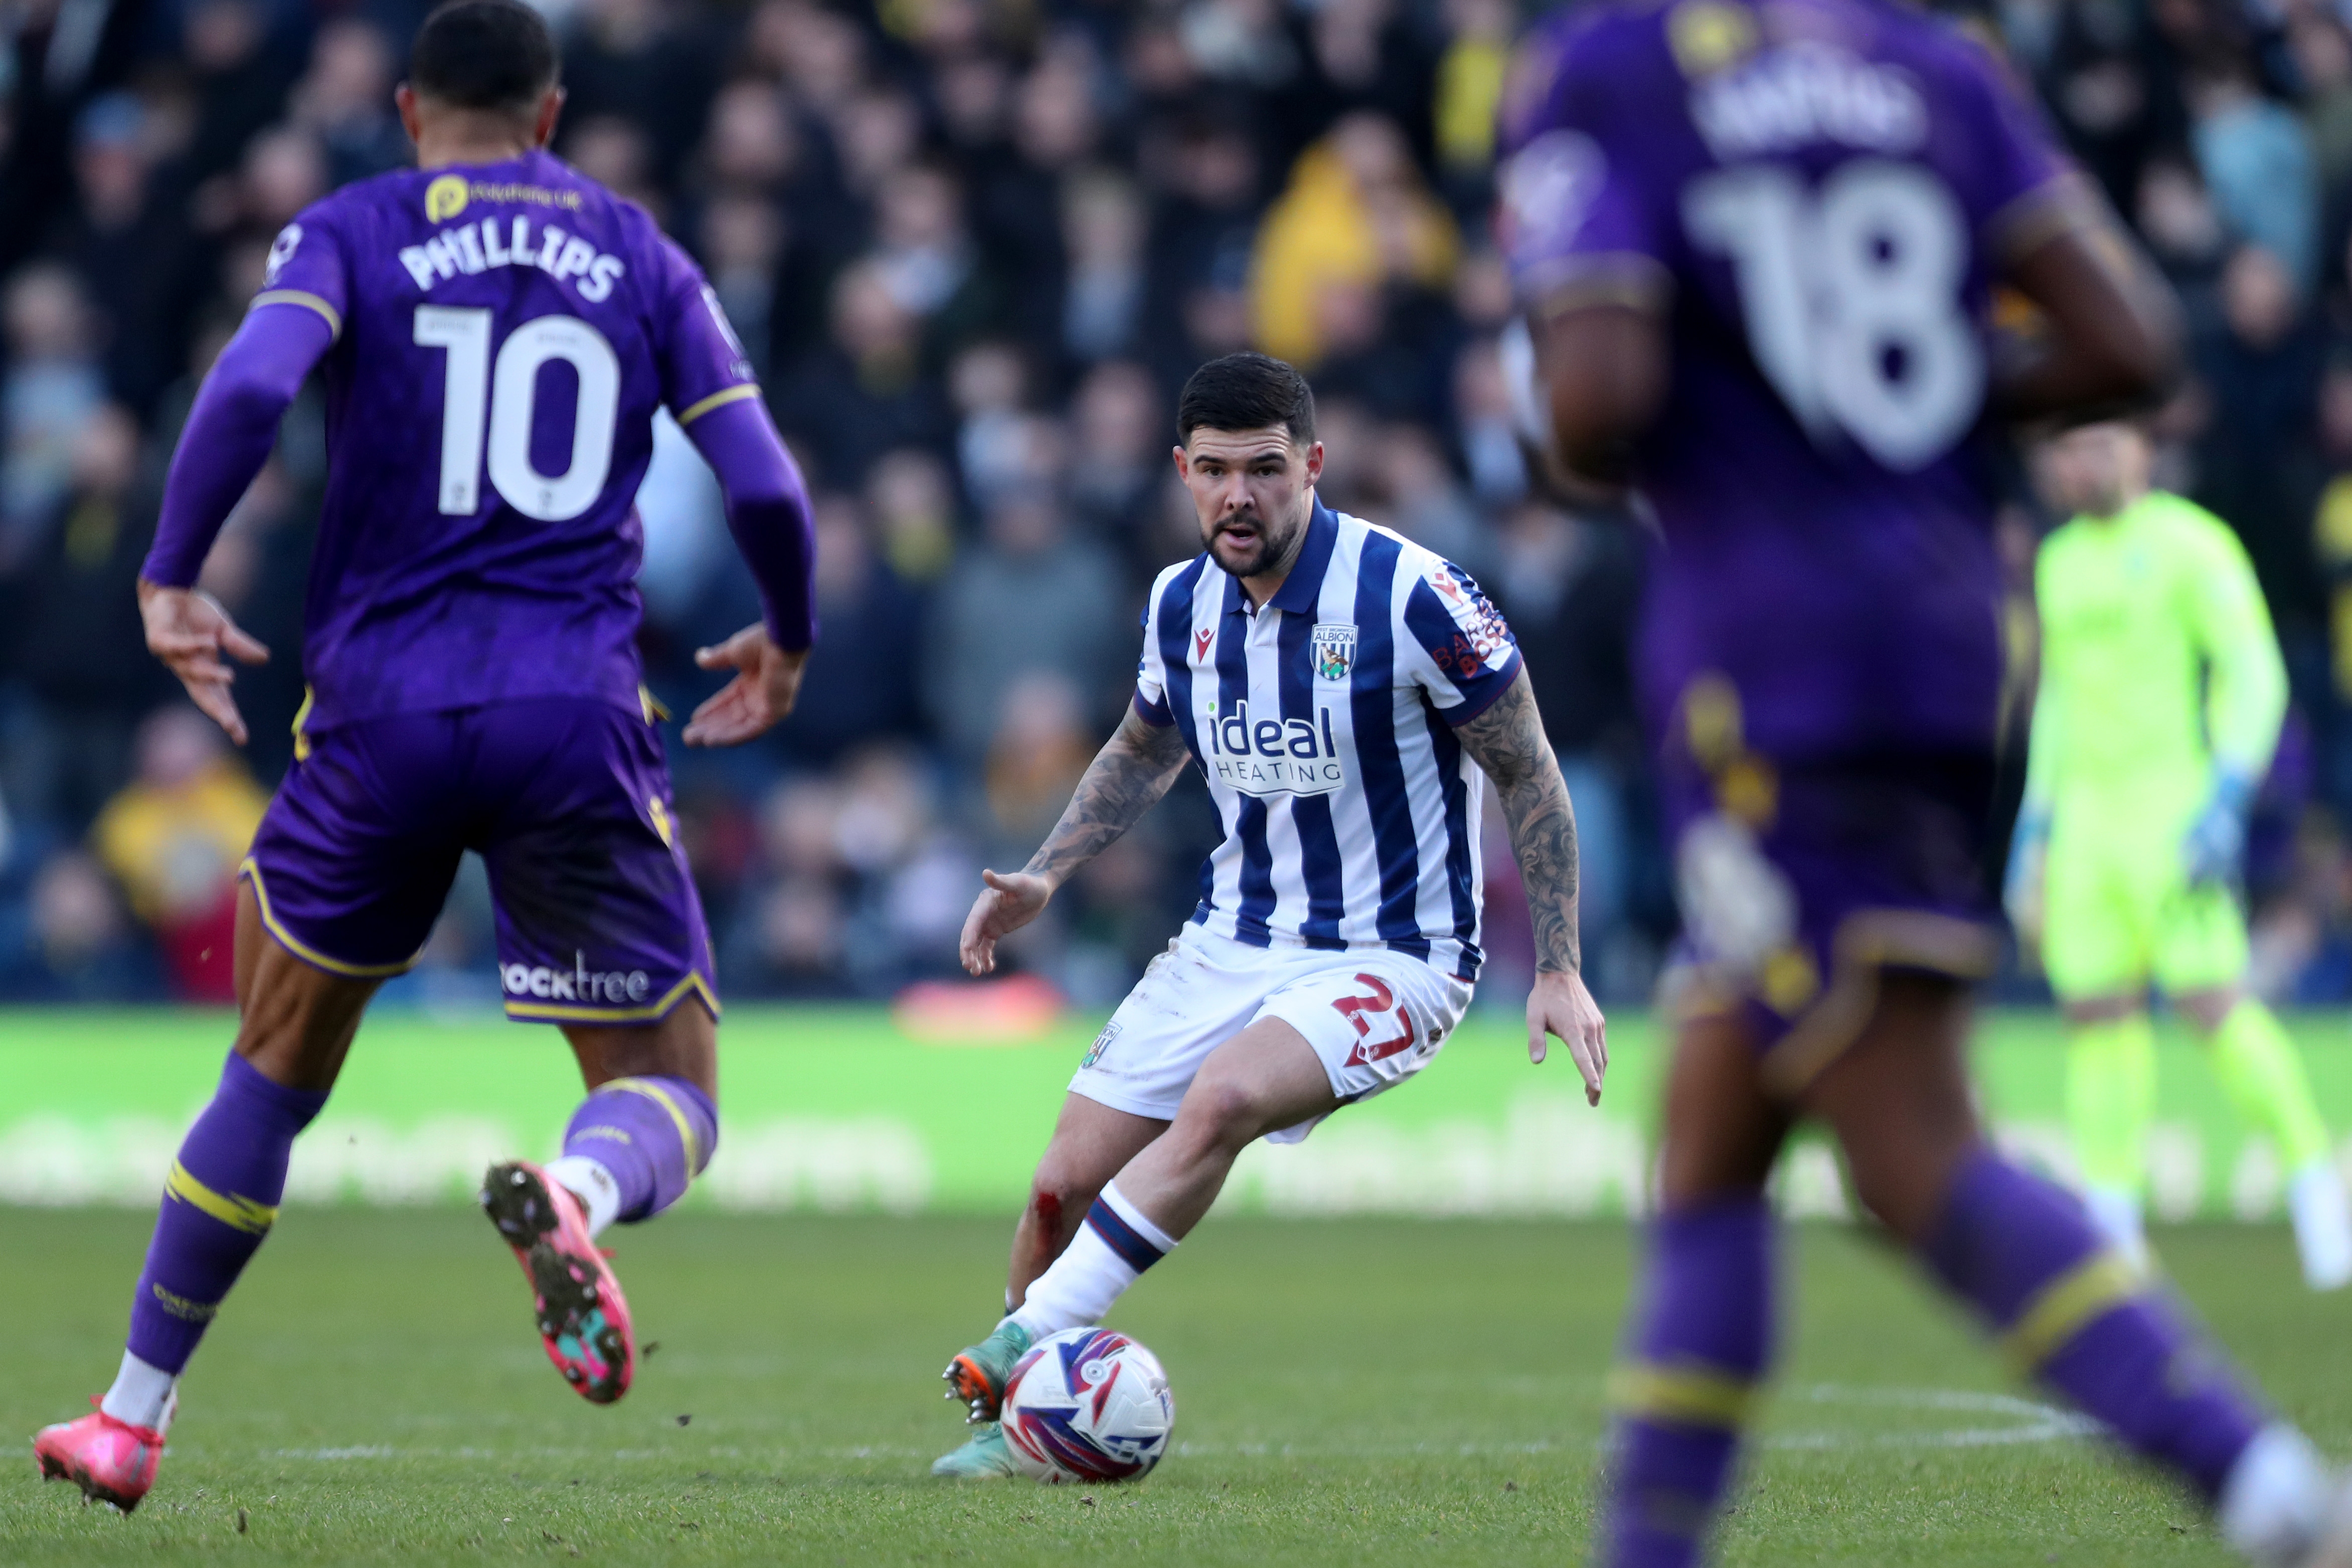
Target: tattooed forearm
{"points": [[1126, 777], [1507, 740]]}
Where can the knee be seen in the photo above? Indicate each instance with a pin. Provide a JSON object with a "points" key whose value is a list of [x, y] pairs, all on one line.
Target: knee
{"points": [[2206, 1011], [1219, 1113]]}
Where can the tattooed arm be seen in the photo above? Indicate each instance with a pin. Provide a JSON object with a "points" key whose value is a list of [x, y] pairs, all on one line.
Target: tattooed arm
{"points": [[1126, 777], [1508, 741]]}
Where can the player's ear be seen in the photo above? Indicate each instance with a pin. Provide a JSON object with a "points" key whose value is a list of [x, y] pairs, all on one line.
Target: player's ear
{"points": [[403, 98], [551, 109], [1183, 464], [1315, 463]]}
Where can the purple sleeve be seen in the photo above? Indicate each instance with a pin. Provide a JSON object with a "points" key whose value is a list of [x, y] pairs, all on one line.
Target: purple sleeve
{"points": [[230, 431], [2018, 188], [768, 512], [1577, 225]]}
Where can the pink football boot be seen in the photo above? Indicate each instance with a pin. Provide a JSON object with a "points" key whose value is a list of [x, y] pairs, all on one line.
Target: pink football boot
{"points": [[112, 1461], [584, 1319]]}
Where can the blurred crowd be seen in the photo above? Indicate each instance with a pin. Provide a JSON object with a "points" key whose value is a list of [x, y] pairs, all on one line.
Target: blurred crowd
{"points": [[973, 247]]}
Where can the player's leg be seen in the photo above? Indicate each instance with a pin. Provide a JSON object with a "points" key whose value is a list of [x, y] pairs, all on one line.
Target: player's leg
{"points": [[1334, 1033], [343, 883], [222, 1196], [2201, 964], [2110, 1107], [2065, 1307], [599, 931], [2097, 936], [1091, 1141], [1701, 1339]]}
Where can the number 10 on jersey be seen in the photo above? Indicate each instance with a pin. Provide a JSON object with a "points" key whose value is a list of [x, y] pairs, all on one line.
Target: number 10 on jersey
{"points": [[486, 411]]}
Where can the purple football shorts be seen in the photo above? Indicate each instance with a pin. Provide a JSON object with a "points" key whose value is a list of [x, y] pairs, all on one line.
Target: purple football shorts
{"points": [[568, 801], [1801, 883]]}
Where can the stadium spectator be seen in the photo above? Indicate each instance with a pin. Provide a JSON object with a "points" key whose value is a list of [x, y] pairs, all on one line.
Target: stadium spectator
{"points": [[972, 249], [173, 839]]}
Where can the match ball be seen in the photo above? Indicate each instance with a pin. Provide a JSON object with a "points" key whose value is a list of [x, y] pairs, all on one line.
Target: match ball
{"points": [[1088, 1405]]}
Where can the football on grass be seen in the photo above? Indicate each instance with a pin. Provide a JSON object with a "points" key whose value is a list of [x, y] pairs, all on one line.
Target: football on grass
{"points": [[1088, 1405]]}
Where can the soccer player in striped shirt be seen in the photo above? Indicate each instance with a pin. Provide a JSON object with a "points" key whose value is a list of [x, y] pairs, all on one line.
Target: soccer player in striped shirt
{"points": [[1758, 243], [1342, 691], [495, 333]]}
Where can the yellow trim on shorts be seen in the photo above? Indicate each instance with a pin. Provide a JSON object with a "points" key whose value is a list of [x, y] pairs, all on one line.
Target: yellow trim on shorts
{"points": [[652, 1012], [1685, 1394], [1867, 942], [302, 717], [237, 1213], [2068, 1305], [716, 400], [307, 300], [696, 1155], [251, 871]]}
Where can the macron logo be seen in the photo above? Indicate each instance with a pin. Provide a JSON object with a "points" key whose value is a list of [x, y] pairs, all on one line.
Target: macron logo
{"points": [[1201, 641]]}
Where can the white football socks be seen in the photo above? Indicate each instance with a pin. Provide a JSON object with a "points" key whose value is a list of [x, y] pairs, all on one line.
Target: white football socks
{"points": [[592, 1184], [2323, 1227], [142, 1395], [2274, 1504], [1114, 1246], [2115, 1216]]}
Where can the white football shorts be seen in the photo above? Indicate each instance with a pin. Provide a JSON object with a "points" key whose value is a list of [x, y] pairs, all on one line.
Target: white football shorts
{"points": [[1373, 1017]]}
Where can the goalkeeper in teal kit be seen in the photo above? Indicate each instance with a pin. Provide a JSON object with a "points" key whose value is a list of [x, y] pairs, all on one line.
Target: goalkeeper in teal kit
{"points": [[2161, 695]]}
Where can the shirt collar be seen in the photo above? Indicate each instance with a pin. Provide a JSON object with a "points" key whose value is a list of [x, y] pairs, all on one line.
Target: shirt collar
{"points": [[1304, 586]]}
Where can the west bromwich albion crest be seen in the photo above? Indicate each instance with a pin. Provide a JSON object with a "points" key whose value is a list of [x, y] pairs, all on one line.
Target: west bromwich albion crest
{"points": [[1334, 647]]}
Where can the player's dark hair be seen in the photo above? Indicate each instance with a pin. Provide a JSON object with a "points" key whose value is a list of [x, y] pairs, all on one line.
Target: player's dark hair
{"points": [[484, 54], [1248, 391]]}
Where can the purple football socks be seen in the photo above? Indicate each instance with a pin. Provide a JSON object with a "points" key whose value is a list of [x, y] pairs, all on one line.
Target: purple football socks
{"points": [[1704, 1340], [2076, 1317], [218, 1203], [653, 1136]]}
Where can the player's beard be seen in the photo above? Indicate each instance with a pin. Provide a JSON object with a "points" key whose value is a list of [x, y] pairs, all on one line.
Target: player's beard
{"points": [[1269, 549]]}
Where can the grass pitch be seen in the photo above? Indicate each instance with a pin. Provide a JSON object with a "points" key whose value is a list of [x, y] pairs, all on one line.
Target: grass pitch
{"points": [[1348, 1392]]}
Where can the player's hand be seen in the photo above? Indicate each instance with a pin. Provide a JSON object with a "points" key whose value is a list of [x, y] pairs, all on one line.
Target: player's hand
{"points": [[2021, 885], [1004, 906], [1560, 1005], [2215, 845], [189, 632], [767, 683]]}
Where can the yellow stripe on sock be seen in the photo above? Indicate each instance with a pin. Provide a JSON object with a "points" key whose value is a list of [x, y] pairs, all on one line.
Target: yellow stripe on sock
{"points": [[1686, 1394], [2068, 1305], [237, 1213], [661, 1096]]}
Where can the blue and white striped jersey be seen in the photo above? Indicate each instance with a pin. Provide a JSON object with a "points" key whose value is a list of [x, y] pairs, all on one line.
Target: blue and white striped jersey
{"points": [[1324, 724]]}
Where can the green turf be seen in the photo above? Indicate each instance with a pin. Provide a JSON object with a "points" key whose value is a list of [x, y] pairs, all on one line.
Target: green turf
{"points": [[1357, 1392]]}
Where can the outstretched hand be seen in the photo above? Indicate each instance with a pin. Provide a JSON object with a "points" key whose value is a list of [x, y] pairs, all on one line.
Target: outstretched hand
{"points": [[767, 683], [189, 632], [1560, 1005], [1004, 906]]}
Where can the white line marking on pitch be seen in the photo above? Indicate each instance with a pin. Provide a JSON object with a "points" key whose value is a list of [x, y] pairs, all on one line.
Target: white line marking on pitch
{"points": [[2026, 1421]]}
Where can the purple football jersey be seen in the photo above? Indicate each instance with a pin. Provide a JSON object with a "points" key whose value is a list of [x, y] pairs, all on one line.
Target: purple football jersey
{"points": [[505, 333], [1821, 190]]}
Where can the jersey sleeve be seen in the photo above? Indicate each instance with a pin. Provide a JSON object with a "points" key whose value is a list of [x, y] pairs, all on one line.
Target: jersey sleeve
{"points": [[1577, 226], [702, 362], [1455, 645], [309, 269], [2019, 189], [2246, 696], [1151, 670]]}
